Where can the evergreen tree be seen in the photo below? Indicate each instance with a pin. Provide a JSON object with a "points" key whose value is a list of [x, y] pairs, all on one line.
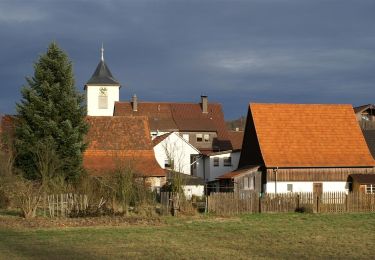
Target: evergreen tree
{"points": [[51, 114]]}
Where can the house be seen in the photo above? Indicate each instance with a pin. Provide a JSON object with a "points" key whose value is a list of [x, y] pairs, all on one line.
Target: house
{"points": [[300, 148], [191, 185], [122, 142], [174, 152]]}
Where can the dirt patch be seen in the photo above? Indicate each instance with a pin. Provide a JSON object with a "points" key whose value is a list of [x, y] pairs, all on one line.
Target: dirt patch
{"points": [[41, 222]]}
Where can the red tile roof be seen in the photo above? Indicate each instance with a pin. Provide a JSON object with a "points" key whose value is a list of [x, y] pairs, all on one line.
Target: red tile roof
{"points": [[118, 141], [180, 116], [302, 135], [160, 138], [236, 138]]}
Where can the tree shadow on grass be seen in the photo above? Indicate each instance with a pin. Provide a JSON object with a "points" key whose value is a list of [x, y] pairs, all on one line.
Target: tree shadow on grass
{"points": [[30, 245]]}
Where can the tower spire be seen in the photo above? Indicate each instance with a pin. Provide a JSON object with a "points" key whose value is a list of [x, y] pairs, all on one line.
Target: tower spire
{"points": [[102, 50]]}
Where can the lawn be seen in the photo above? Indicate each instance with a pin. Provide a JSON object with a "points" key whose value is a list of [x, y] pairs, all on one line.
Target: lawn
{"points": [[348, 236]]}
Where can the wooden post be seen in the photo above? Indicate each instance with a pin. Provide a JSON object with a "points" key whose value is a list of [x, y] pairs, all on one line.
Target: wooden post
{"points": [[297, 201], [317, 203], [260, 203], [346, 202]]}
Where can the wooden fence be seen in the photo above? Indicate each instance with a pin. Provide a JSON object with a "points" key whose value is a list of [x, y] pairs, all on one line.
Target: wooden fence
{"points": [[61, 205], [328, 202]]}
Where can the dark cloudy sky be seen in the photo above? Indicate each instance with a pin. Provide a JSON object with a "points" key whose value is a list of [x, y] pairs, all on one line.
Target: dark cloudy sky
{"points": [[236, 52]]}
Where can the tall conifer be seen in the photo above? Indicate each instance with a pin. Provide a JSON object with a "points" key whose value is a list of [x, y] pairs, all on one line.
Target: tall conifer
{"points": [[51, 114]]}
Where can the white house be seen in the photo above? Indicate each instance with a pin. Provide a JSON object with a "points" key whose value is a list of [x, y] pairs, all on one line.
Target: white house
{"points": [[173, 151]]}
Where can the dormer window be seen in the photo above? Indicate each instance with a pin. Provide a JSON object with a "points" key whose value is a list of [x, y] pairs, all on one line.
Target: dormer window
{"points": [[103, 98]]}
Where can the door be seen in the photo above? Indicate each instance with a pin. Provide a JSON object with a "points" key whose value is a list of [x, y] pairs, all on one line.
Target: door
{"points": [[317, 192], [318, 188]]}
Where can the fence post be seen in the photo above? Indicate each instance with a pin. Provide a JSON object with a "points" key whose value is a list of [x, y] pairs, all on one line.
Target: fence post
{"points": [[206, 206], [297, 204], [260, 202], [317, 203], [346, 202]]}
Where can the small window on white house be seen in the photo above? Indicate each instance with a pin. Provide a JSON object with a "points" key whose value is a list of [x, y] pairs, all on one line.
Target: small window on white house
{"points": [[370, 188], [186, 137], [289, 187], [168, 164], [206, 137], [199, 137], [216, 161], [228, 161]]}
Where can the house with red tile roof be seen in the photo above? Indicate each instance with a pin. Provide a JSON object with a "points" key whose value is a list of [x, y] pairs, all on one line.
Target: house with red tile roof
{"points": [[300, 148], [116, 142]]}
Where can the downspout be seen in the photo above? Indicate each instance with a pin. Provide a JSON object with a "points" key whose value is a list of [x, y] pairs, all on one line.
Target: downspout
{"points": [[204, 173]]}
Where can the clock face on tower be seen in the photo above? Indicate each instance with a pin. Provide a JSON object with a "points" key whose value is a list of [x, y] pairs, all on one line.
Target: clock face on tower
{"points": [[103, 91]]}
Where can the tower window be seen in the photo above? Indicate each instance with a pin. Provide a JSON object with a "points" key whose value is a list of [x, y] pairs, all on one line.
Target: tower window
{"points": [[103, 98]]}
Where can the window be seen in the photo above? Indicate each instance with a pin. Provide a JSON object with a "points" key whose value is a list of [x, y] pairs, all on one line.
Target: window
{"points": [[168, 164], [370, 188], [216, 161], [228, 161], [206, 137], [252, 183], [103, 102], [199, 137], [289, 187], [246, 183], [186, 137]]}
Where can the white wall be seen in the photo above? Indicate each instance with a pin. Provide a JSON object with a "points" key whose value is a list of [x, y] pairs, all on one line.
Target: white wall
{"points": [[179, 151], [190, 190], [301, 186], [212, 172], [92, 97]]}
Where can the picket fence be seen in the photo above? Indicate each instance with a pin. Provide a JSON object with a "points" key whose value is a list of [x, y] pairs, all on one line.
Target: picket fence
{"points": [[328, 202], [61, 205]]}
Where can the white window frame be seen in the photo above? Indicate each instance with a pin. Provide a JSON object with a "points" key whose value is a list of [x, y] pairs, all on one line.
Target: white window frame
{"points": [[370, 188], [199, 136]]}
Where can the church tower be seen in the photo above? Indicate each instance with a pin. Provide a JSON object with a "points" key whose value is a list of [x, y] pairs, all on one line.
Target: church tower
{"points": [[102, 91]]}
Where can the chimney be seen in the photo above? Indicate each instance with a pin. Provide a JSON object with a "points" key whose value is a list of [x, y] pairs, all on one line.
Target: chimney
{"points": [[135, 103], [204, 103]]}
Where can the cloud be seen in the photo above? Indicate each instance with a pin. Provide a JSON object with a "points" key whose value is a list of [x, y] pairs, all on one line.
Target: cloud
{"points": [[284, 61], [16, 13]]}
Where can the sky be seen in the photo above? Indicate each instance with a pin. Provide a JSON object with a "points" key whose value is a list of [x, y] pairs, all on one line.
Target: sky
{"points": [[236, 52]]}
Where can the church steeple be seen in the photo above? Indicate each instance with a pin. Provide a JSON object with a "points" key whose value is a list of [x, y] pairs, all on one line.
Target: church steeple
{"points": [[102, 90], [102, 74], [102, 50]]}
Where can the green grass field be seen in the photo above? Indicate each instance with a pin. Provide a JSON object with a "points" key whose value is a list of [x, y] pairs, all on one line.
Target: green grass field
{"points": [[346, 236]]}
